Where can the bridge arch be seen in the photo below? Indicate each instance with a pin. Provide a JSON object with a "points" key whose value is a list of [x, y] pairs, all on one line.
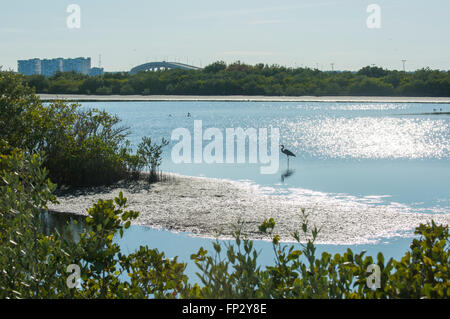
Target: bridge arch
{"points": [[155, 66]]}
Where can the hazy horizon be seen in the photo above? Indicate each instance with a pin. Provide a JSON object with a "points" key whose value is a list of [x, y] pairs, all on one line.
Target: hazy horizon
{"points": [[291, 33]]}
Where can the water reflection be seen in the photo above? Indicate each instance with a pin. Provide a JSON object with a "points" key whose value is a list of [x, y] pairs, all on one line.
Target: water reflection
{"points": [[69, 226], [286, 174]]}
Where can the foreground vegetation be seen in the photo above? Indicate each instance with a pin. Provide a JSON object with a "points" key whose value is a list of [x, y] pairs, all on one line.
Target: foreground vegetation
{"points": [[242, 79], [34, 265], [81, 147], [59, 142]]}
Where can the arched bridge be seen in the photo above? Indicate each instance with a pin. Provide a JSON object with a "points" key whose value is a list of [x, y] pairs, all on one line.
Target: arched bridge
{"points": [[156, 66]]}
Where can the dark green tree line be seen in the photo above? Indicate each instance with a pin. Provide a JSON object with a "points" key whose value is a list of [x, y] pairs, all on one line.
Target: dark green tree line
{"points": [[242, 79]]}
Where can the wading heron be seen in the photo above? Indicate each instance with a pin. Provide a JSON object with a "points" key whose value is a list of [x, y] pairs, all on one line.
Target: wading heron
{"points": [[287, 152]]}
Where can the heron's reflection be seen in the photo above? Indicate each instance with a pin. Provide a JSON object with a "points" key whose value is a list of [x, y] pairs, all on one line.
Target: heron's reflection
{"points": [[287, 173]]}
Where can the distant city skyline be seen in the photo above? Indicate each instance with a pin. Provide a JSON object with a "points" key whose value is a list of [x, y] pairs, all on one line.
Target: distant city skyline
{"points": [[320, 34], [49, 67]]}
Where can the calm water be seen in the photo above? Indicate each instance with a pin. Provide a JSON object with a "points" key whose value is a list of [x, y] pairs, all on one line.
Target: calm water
{"points": [[383, 153], [376, 153]]}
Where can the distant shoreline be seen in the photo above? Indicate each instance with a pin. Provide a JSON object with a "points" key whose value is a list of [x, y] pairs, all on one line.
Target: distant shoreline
{"points": [[241, 98]]}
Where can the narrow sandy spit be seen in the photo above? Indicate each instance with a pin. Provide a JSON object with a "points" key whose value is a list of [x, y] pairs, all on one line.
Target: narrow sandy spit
{"points": [[240, 98], [203, 206]]}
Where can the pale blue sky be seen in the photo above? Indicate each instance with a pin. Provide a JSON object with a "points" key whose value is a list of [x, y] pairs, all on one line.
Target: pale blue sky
{"points": [[286, 32]]}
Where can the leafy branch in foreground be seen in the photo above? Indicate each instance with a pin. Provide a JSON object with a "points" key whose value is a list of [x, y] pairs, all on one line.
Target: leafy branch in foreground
{"points": [[35, 265], [422, 273], [235, 274]]}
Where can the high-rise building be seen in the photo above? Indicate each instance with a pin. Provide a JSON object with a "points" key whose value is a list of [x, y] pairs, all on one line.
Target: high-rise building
{"points": [[50, 66], [79, 65], [29, 67]]}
